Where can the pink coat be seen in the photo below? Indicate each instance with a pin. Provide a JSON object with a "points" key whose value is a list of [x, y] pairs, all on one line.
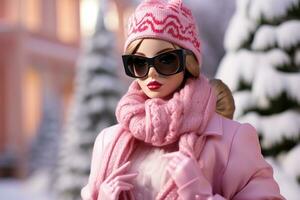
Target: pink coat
{"points": [[232, 160]]}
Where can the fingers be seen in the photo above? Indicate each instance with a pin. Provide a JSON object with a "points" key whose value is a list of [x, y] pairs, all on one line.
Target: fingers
{"points": [[126, 177], [117, 184], [177, 160], [121, 187], [122, 180], [118, 171], [117, 181]]}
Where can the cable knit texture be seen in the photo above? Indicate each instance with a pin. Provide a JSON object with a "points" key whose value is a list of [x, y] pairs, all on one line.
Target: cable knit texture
{"points": [[168, 20], [159, 122]]}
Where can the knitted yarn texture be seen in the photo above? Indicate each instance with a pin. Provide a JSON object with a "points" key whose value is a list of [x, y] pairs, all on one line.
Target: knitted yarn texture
{"points": [[168, 20], [159, 122]]}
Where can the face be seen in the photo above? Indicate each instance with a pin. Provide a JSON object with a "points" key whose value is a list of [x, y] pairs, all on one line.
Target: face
{"points": [[156, 85]]}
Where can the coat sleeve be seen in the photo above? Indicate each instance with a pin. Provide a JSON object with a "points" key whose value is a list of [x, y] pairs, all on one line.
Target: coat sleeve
{"points": [[246, 176], [86, 192]]}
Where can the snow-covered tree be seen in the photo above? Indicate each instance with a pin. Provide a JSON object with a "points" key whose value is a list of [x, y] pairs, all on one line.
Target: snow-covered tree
{"points": [[97, 91], [262, 68], [212, 17], [43, 152]]}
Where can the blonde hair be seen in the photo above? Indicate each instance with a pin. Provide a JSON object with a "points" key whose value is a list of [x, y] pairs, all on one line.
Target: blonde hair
{"points": [[133, 46], [225, 101]]}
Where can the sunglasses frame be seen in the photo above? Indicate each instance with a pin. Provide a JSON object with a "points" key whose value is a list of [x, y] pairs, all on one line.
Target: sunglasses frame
{"points": [[181, 53]]}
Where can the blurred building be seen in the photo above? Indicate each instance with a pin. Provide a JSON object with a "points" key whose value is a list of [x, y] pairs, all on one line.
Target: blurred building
{"points": [[39, 46]]}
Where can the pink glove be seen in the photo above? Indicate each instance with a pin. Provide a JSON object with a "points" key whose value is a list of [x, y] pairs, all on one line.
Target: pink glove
{"points": [[115, 183], [188, 176]]}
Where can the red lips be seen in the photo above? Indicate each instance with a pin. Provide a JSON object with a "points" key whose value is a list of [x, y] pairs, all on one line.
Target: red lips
{"points": [[154, 85]]}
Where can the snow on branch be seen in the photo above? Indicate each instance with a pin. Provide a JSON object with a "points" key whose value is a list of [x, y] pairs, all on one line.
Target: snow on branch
{"points": [[244, 65], [238, 66], [270, 83], [96, 105], [267, 85], [103, 83], [270, 9], [291, 161], [275, 127], [276, 57], [285, 36], [264, 38], [236, 35], [288, 185], [288, 34], [243, 100], [95, 62], [228, 71], [242, 7], [297, 58]]}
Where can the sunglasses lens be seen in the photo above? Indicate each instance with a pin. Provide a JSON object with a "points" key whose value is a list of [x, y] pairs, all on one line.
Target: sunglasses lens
{"points": [[137, 66], [167, 63]]}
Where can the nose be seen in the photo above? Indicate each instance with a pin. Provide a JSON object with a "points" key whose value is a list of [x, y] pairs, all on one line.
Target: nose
{"points": [[152, 72]]}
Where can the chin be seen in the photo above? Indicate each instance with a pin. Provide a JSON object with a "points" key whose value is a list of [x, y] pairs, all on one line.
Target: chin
{"points": [[152, 95]]}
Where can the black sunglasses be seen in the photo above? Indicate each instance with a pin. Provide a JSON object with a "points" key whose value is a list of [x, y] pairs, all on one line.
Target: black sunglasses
{"points": [[167, 63]]}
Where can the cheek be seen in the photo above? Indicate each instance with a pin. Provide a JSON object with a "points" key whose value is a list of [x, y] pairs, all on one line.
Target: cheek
{"points": [[147, 92], [142, 84], [173, 84]]}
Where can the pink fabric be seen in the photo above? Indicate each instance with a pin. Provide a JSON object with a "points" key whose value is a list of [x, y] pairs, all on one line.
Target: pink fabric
{"points": [[159, 122], [168, 20], [231, 157]]}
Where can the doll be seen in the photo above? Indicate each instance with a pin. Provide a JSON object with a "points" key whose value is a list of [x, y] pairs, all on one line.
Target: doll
{"points": [[171, 141]]}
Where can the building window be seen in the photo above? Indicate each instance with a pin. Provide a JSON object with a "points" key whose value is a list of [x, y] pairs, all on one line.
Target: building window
{"points": [[88, 16], [31, 14], [32, 101], [67, 20]]}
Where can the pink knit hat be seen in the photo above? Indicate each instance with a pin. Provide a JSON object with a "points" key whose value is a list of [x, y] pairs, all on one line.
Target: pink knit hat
{"points": [[169, 20]]}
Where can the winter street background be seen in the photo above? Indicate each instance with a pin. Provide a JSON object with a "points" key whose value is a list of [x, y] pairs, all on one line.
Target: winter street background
{"points": [[61, 78]]}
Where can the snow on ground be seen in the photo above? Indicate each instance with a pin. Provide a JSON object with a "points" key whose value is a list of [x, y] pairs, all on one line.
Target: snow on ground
{"points": [[11, 189], [34, 188]]}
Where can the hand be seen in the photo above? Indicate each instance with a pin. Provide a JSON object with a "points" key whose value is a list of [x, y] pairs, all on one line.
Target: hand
{"points": [[188, 176], [116, 182], [182, 168]]}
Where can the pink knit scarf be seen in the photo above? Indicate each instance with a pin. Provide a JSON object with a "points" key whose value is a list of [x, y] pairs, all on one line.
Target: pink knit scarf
{"points": [[183, 118]]}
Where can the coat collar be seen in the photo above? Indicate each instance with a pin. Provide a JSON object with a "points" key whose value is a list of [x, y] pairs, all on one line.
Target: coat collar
{"points": [[215, 125]]}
